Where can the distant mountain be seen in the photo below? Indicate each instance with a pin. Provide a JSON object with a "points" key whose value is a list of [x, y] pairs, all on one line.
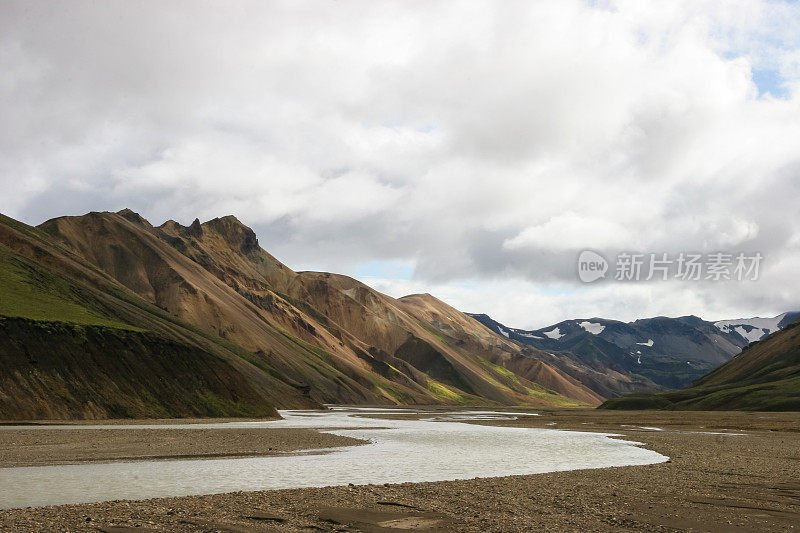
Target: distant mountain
{"points": [[106, 315], [755, 329], [653, 353], [600, 365], [765, 376]]}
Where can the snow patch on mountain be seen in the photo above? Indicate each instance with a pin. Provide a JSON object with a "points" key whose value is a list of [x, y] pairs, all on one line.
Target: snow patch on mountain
{"points": [[554, 333], [649, 343], [752, 334], [752, 329], [594, 328]]}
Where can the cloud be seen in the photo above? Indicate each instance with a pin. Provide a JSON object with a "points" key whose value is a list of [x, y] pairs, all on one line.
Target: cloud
{"points": [[571, 231], [486, 144]]}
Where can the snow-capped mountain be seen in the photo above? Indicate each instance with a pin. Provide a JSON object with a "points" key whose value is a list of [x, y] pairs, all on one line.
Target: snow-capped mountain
{"points": [[755, 329], [670, 352]]}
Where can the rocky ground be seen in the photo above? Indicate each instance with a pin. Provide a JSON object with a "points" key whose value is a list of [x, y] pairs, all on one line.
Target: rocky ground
{"points": [[36, 447], [713, 482]]}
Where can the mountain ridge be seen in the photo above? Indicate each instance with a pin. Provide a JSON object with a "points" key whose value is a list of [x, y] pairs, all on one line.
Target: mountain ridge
{"points": [[665, 352], [305, 338]]}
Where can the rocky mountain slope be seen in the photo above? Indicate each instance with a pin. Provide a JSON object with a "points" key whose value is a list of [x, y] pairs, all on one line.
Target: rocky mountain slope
{"points": [[652, 353], [764, 376], [284, 338]]}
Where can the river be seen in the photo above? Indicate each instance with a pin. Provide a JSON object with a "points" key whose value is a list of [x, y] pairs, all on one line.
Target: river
{"points": [[436, 447]]}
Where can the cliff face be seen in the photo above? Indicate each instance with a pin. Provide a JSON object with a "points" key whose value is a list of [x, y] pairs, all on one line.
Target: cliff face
{"points": [[58, 370]]}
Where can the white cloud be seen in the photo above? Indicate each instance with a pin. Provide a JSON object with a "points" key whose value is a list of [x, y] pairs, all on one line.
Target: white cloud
{"points": [[483, 142], [571, 231]]}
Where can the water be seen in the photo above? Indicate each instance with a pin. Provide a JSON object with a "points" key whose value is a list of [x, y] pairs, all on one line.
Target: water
{"points": [[437, 448]]}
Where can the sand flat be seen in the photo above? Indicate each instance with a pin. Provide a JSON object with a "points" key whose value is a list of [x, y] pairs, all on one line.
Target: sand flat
{"points": [[40, 446]]}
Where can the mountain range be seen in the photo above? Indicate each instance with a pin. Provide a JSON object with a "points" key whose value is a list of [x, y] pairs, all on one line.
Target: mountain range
{"points": [[106, 315], [653, 353]]}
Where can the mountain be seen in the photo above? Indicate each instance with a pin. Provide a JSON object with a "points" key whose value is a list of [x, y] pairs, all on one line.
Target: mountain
{"points": [[74, 343], [534, 370], [106, 315], [765, 376], [598, 364], [650, 353], [757, 328]]}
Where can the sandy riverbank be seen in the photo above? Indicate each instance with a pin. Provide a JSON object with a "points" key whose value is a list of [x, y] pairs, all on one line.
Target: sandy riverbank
{"points": [[38, 447], [712, 483]]}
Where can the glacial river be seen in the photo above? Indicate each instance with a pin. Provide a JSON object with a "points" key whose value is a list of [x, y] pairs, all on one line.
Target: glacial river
{"points": [[438, 447]]}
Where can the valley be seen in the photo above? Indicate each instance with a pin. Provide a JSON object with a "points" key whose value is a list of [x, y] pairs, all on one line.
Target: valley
{"points": [[191, 377], [376, 267], [748, 480], [92, 304]]}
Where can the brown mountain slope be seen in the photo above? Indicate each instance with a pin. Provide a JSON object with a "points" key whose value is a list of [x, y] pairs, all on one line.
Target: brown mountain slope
{"points": [[559, 371], [341, 339], [274, 331], [362, 317], [500, 353], [74, 343], [399, 330], [603, 380]]}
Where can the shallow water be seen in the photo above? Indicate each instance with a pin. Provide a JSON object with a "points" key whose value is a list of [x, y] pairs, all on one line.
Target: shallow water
{"points": [[437, 448]]}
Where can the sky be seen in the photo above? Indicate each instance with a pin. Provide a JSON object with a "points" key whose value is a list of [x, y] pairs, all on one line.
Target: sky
{"points": [[467, 149]]}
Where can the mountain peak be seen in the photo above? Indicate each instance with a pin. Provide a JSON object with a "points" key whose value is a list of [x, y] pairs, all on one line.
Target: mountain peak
{"points": [[133, 216], [195, 229], [235, 233], [421, 296], [171, 226]]}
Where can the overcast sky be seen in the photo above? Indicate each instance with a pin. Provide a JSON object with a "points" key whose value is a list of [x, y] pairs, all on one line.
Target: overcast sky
{"points": [[467, 149]]}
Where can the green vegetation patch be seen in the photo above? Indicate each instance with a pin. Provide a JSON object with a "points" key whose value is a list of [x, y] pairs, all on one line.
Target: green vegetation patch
{"points": [[503, 371], [39, 294], [433, 331], [218, 406], [779, 395], [637, 402], [442, 391], [310, 348], [552, 397], [397, 393]]}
